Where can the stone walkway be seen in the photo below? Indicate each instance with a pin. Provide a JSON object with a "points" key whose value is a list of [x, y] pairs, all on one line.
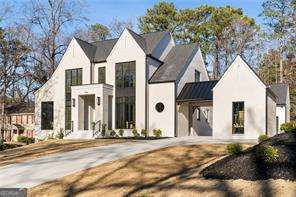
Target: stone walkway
{"points": [[34, 172]]}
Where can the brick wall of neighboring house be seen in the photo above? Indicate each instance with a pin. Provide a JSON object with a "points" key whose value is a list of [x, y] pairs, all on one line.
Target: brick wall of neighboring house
{"points": [[19, 120]]}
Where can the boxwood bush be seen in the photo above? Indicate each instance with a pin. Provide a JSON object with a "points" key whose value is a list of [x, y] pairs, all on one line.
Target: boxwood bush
{"points": [[157, 133], [262, 138], [267, 153], [121, 131], [112, 133], [144, 133], [60, 135], [25, 139], [234, 149], [135, 133], [289, 127]]}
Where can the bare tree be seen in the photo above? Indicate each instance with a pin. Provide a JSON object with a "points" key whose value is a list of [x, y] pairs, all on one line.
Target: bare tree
{"points": [[13, 56], [93, 33], [117, 26], [49, 22]]}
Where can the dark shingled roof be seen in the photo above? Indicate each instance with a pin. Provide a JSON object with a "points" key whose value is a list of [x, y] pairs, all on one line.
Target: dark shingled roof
{"points": [[197, 91], [281, 91], [174, 63], [88, 48], [103, 49], [20, 108], [100, 50]]}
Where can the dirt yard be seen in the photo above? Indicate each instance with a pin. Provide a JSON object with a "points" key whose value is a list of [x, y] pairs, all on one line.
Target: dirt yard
{"points": [[40, 149], [172, 171]]}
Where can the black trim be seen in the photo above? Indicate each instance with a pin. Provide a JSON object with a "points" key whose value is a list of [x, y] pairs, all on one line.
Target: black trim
{"points": [[233, 119], [169, 81], [102, 61], [192, 100], [154, 58]]}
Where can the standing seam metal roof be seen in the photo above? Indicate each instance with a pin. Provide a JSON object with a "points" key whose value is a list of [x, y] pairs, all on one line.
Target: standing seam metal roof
{"points": [[197, 91]]}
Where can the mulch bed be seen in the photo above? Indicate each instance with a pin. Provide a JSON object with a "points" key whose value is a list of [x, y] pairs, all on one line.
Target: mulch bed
{"points": [[6, 146], [247, 166]]}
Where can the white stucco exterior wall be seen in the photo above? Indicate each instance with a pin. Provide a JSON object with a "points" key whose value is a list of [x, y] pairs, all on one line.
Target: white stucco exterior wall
{"points": [[271, 115], [197, 63], [281, 114], [127, 49], [100, 111], [239, 83], [152, 66], [54, 88], [165, 120], [96, 71], [163, 47]]}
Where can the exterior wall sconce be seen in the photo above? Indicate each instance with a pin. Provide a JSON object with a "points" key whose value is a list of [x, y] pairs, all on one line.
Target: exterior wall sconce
{"points": [[73, 102], [98, 100]]}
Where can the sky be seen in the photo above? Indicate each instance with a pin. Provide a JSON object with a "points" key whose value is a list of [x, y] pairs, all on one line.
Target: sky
{"points": [[103, 11]]}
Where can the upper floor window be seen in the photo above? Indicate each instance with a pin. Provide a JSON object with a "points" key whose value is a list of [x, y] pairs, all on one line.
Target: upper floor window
{"points": [[196, 76], [102, 75], [238, 117], [47, 115], [126, 74]]}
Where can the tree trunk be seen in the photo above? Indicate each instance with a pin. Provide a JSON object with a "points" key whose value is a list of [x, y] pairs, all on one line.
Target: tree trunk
{"points": [[281, 70], [216, 61]]}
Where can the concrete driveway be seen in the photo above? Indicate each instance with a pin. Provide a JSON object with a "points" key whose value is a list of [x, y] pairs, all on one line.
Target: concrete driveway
{"points": [[34, 172]]}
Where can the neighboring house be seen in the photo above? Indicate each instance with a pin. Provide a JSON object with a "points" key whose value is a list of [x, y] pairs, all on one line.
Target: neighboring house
{"points": [[19, 120], [145, 82], [282, 104]]}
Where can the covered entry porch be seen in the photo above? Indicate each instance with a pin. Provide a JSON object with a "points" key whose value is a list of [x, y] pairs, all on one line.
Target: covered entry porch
{"points": [[195, 109], [91, 107]]}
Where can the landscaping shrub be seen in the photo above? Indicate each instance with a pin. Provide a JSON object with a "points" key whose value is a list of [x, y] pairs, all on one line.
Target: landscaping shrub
{"points": [[60, 135], [112, 133], [135, 133], [9, 146], [267, 153], [25, 139], [262, 138], [157, 133], [234, 149], [121, 131], [289, 127], [144, 133]]}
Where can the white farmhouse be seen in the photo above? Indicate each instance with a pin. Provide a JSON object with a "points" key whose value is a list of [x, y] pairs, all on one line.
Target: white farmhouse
{"points": [[146, 81]]}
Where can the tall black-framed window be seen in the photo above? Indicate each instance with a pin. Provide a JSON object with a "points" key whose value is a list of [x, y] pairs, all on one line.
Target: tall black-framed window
{"points": [[47, 115], [196, 76], [102, 75], [72, 77], [238, 117], [125, 84]]}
